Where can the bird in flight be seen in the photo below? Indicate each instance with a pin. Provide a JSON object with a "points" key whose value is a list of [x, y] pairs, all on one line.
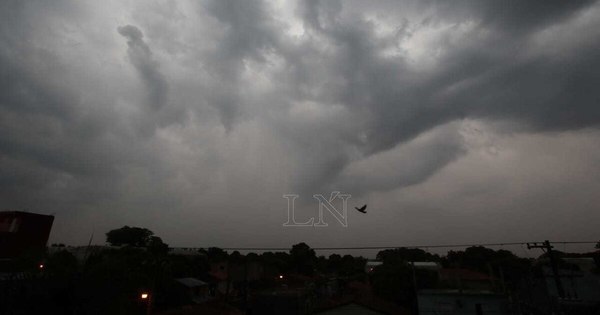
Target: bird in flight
{"points": [[362, 209]]}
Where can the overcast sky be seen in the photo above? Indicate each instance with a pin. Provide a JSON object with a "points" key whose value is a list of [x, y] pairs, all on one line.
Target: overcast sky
{"points": [[455, 121]]}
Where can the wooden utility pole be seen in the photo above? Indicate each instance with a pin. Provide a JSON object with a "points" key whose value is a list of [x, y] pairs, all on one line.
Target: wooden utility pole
{"points": [[553, 263]]}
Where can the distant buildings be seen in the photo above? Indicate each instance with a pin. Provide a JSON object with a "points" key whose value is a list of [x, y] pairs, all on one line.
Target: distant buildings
{"points": [[22, 233], [298, 301], [458, 302], [192, 290], [462, 291], [351, 308], [580, 282], [426, 265]]}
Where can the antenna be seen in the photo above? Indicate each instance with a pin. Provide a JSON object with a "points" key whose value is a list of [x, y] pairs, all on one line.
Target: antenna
{"points": [[85, 256]]}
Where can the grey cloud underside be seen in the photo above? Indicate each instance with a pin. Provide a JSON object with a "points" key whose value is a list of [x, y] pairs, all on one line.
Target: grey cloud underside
{"points": [[60, 150], [489, 78], [160, 116], [141, 57]]}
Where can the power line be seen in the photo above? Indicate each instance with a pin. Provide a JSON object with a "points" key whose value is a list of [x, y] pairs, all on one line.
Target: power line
{"points": [[401, 246]]}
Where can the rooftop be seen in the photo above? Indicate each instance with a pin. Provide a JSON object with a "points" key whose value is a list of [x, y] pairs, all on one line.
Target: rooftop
{"points": [[191, 282]]}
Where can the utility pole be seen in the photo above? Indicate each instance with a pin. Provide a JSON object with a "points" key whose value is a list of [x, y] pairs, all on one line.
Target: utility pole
{"points": [[553, 263], [414, 279]]}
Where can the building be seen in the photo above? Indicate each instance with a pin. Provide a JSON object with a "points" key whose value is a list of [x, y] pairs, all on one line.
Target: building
{"points": [[580, 284], [22, 233], [426, 265], [219, 273], [350, 309], [298, 301], [192, 290], [462, 291], [460, 278], [459, 302]]}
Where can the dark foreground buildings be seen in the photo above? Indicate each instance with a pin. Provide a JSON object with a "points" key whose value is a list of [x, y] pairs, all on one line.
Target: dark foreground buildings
{"points": [[22, 233]]}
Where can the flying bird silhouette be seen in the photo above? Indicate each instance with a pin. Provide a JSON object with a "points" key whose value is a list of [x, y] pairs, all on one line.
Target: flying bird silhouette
{"points": [[362, 209]]}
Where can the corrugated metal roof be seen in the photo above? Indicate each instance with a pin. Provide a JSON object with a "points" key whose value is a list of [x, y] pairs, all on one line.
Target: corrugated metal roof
{"points": [[426, 265], [191, 282]]}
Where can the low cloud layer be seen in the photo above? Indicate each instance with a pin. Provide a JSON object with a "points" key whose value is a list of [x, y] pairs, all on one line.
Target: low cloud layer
{"points": [[194, 118], [140, 57]]}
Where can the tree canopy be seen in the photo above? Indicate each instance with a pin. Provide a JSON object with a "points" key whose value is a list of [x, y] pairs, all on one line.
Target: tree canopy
{"points": [[303, 258], [132, 236]]}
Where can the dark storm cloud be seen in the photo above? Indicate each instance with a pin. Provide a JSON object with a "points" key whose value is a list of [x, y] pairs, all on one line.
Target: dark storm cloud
{"points": [[258, 99], [61, 144], [487, 78], [515, 16], [41, 116], [419, 160], [140, 56], [248, 34], [550, 92]]}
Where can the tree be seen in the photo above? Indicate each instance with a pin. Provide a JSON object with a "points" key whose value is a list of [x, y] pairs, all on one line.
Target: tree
{"points": [[61, 264], [406, 255], [350, 265], [156, 246], [132, 236], [334, 263], [303, 258], [393, 281], [216, 254], [276, 263]]}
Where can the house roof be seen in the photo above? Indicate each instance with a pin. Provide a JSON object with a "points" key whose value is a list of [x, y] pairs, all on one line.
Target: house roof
{"points": [[191, 282], [350, 309], [208, 308], [426, 265], [464, 274]]}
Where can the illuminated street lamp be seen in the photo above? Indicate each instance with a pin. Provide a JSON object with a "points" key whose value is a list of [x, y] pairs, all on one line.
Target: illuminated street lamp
{"points": [[146, 300]]}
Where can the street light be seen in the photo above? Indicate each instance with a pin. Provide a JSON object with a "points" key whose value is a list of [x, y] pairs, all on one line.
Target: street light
{"points": [[146, 302]]}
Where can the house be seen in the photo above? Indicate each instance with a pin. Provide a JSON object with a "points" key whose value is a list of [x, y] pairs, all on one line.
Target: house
{"points": [[426, 265], [350, 309], [219, 273], [329, 287], [463, 291], [212, 307], [459, 302], [289, 301], [580, 284], [192, 290], [460, 278]]}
